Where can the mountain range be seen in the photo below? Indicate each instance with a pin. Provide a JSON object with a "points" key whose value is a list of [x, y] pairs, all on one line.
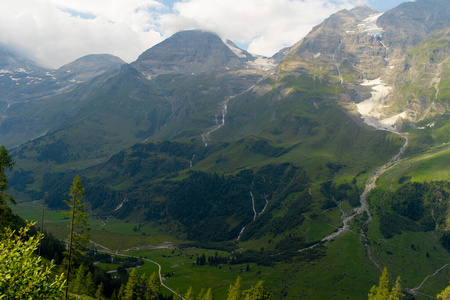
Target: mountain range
{"points": [[224, 149]]}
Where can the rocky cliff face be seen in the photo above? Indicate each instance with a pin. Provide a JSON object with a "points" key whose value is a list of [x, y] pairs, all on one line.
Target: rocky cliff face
{"points": [[389, 65], [411, 22]]}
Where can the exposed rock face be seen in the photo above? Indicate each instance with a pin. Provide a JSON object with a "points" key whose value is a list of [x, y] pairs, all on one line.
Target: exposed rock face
{"points": [[410, 23], [188, 52], [326, 37], [405, 49]]}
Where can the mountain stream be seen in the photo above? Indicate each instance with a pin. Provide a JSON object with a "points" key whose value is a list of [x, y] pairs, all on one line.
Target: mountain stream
{"points": [[370, 185], [218, 125]]}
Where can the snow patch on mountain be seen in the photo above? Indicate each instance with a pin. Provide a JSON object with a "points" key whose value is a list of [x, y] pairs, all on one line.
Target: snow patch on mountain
{"points": [[257, 62], [263, 63], [370, 27], [371, 109]]}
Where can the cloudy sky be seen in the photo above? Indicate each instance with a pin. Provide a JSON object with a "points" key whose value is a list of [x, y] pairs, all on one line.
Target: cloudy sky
{"points": [[56, 32]]}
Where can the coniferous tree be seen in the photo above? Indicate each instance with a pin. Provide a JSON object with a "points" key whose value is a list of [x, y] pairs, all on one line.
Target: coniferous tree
{"points": [[153, 288], [209, 295], [396, 292], [79, 230], [132, 286], [42, 220], [89, 285], [383, 290], [121, 293], [141, 288], [99, 292], [257, 292], [78, 284], [201, 295], [235, 290], [190, 295]]}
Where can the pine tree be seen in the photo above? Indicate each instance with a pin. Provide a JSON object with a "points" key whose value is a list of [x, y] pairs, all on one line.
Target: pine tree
{"points": [[141, 288], [89, 285], [79, 229], [209, 295], [132, 285], [396, 292], [201, 295], [190, 295], [121, 293], [235, 290], [77, 285], [99, 292], [383, 292], [153, 287], [257, 292]]}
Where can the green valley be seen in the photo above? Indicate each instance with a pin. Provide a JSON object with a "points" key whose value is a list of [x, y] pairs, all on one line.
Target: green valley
{"points": [[211, 168]]}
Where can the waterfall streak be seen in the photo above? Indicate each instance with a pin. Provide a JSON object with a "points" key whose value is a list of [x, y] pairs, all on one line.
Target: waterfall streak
{"points": [[265, 206], [240, 234], [205, 136], [253, 203]]}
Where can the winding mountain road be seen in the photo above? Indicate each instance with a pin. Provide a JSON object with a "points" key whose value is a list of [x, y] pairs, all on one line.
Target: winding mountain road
{"points": [[414, 290], [145, 259]]}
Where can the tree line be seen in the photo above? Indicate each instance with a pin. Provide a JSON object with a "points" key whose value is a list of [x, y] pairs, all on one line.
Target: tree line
{"points": [[25, 275]]}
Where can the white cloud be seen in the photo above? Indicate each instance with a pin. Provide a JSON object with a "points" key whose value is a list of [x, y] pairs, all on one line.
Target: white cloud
{"points": [[265, 25], [55, 32], [49, 33]]}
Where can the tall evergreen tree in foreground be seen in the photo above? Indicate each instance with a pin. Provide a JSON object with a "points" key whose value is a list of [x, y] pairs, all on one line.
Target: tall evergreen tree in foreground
{"points": [[79, 230]]}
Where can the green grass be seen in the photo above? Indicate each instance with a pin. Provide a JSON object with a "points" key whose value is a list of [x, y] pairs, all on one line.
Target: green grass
{"points": [[344, 272], [430, 166], [114, 234], [32, 211], [186, 275], [413, 255], [405, 255], [108, 267]]}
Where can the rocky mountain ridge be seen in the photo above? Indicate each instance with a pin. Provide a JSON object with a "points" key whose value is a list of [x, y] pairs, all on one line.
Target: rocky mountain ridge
{"points": [[369, 53], [353, 58], [30, 96]]}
